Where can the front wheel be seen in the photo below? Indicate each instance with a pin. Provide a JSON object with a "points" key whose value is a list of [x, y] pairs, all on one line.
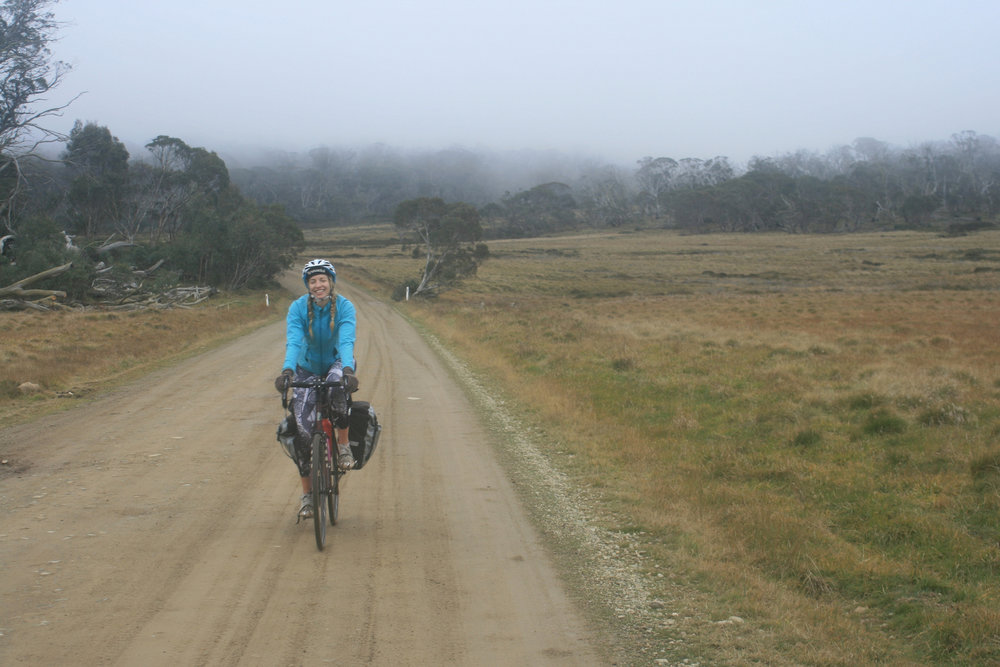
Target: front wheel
{"points": [[320, 479]]}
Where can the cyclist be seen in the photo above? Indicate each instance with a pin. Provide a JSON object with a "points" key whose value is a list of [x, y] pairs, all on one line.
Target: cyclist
{"points": [[319, 341]]}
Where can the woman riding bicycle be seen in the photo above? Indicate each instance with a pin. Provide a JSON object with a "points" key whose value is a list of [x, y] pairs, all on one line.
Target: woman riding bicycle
{"points": [[319, 341]]}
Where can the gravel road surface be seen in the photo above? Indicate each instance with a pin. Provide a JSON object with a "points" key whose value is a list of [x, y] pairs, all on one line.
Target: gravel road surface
{"points": [[156, 526]]}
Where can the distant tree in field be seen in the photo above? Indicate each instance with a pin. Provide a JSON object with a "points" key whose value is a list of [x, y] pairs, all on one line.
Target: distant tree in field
{"points": [[917, 209], [655, 178], [164, 186], [236, 243], [99, 164], [179, 176], [220, 237], [26, 75], [545, 207], [976, 186], [606, 199], [447, 236], [266, 241]]}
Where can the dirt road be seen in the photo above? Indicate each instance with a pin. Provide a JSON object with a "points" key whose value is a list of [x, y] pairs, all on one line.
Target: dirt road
{"points": [[156, 526]]}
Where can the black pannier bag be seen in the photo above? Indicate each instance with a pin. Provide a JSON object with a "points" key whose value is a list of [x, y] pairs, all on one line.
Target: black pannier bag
{"points": [[363, 432], [287, 431]]}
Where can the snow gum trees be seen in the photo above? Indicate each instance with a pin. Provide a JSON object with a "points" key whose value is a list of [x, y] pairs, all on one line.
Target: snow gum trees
{"points": [[447, 236]]}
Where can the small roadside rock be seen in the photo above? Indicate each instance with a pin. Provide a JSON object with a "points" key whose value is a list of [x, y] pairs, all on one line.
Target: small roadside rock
{"points": [[730, 621]]}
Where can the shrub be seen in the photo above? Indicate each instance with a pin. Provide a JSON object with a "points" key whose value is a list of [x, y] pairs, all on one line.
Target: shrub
{"points": [[623, 364], [884, 422], [986, 467], [8, 389], [948, 414], [399, 293], [865, 401], [807, 438]]}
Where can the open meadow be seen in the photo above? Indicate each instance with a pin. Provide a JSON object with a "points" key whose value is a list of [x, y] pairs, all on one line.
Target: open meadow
{"points": [[795, 436], [801, 432]]}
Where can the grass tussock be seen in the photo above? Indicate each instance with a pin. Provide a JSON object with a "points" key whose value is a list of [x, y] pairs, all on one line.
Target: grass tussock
{"points": [[804, 426]]}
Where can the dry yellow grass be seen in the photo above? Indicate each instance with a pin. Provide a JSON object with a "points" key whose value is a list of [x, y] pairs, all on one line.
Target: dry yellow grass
{"points": [[805, 427], [73, 353]]}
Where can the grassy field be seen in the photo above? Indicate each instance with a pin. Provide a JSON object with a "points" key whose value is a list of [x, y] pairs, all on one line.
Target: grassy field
{"points": [[801, 430]]}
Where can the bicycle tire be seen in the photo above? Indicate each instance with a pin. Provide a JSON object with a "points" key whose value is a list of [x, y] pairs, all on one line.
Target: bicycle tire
{"points": [[319, 476]]}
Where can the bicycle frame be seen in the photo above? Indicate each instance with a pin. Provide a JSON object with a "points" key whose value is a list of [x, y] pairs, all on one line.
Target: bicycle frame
{"points": [[324, 475]]}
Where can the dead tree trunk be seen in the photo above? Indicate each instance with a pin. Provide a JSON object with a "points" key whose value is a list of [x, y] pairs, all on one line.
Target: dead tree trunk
{"points": [[17, 289]]}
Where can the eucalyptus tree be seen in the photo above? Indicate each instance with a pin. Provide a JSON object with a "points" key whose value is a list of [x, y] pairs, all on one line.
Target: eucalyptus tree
{"points": [[606, 198], [545, 207], [99, 164], [977, 188], [655, 177], [169, 188], [27, 74], [447, 236]]}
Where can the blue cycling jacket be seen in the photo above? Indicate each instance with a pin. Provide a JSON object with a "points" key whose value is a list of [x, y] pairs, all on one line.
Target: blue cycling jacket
{"points": [[319, 352]]}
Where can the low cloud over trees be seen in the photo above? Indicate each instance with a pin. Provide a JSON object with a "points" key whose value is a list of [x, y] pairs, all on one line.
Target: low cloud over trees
{"points": [[865, 185], [190, 215]]}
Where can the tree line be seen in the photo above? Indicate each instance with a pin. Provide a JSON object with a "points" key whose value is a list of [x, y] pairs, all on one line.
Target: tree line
{"points": [[102, 220], [112, 215], [183, 212], [866, 185]]}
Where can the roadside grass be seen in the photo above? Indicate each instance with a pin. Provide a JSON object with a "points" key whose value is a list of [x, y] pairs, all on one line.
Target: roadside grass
{"points": [[803, 428], [70, 354]]}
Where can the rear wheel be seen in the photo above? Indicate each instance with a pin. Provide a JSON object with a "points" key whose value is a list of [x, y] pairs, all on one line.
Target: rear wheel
{"points": [[320, 476]]}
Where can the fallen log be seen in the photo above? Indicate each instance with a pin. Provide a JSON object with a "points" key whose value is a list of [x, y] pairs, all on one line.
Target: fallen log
{"points": [[17, 290], [44, 305], [147, 272], [116, 295], [29, 293], [104, 249], [47, 273]]}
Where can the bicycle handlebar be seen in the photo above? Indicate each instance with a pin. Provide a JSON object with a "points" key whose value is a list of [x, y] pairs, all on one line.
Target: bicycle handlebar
{"points": [[315, 383], [312, 383]]}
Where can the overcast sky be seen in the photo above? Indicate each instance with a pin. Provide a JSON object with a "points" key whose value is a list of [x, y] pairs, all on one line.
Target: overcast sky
{"points": [[618, 79]]}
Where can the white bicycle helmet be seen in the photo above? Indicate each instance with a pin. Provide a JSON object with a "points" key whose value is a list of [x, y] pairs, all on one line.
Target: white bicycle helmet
{"points": [[316, 266]]}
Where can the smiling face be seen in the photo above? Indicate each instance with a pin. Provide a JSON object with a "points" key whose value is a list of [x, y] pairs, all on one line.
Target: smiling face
{"points": [[320, 287]]}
